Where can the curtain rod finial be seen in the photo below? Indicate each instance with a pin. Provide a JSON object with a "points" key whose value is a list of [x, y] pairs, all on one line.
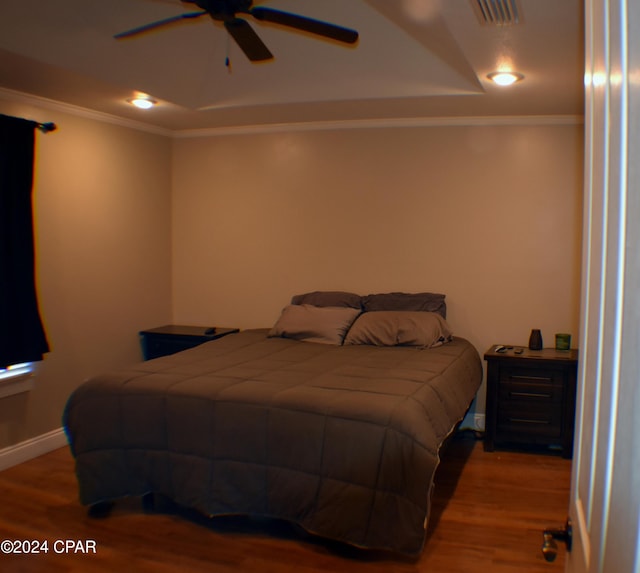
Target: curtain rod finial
{"points": [[47, 127]]}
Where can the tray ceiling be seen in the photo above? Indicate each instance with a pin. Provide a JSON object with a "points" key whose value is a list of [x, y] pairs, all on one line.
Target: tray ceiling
{"points": [[414, 58]]}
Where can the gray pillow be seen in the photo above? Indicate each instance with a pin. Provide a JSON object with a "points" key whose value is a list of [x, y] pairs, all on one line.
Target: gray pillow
{"points": [[327, 325], [328, 298], [422, 301], [399, 328]]}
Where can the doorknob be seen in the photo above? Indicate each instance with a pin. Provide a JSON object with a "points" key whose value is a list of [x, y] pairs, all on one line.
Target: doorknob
{"points": [[549, 538]]}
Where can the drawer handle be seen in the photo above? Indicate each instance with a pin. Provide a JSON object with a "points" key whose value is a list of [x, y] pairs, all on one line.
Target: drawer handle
{"points": [[528, 421], [521, 377], [530, 395]]}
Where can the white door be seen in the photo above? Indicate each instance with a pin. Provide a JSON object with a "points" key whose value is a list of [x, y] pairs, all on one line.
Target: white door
{"points": [[605, 496]]}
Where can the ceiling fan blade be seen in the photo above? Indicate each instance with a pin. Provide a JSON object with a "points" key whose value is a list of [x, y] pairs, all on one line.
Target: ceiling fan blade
{"points": [[311, 25], [157, 24], [249, 42]]}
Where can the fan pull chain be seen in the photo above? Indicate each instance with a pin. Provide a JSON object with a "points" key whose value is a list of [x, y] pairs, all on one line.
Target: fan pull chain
{"points": [[227, 59]]}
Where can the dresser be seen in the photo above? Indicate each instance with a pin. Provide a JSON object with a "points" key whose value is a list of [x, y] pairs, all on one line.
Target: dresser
{"points": [[531, 397]]}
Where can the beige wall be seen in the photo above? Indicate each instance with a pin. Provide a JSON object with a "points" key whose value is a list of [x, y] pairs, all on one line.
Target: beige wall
{"points": [[488, 215], [102, 214]]}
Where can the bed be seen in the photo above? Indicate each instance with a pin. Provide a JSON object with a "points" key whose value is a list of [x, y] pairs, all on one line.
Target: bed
{"points": [[337, 428]]}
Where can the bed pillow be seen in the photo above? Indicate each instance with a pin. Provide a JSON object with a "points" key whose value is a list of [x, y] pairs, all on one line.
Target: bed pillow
{"points": [[329, 298], [399, 328], [422, 301], [327, 325]]}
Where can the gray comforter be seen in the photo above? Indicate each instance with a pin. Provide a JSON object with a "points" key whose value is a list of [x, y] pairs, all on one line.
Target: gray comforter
{"points": [[343, 440]]}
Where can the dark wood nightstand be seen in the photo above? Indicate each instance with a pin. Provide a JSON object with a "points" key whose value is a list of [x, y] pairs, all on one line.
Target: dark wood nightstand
{"points": [[173, 338], [531, 398]]}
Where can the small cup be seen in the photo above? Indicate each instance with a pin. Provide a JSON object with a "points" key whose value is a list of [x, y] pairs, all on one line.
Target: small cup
{"points": [[563, 341]]}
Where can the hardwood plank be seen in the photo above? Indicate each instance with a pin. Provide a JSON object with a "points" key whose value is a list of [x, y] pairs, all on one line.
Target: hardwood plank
{"points": [[489, 510]]}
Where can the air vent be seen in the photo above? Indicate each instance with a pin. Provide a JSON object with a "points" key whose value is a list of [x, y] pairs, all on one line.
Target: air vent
{"points": [[497, 12]]}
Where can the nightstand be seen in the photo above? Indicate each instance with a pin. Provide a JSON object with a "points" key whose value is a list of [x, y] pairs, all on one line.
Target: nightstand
{"points": [[173, 338], [531, 398]]}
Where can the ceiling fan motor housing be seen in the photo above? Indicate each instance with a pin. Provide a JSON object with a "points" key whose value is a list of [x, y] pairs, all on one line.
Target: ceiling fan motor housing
{"points": [[224, 9]]}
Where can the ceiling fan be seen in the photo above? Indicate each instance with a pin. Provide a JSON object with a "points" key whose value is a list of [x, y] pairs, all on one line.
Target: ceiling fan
{"points": [[241, 31]]}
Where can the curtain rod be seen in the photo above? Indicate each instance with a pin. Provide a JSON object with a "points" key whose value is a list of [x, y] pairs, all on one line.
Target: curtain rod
{"points": [[46, 127]]}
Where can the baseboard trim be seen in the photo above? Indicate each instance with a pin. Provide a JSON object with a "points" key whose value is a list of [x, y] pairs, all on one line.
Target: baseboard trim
{"points": [[29, 449]]}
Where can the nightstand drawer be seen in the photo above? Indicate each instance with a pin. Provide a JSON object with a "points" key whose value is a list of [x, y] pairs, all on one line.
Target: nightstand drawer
{"points": [[537, 392], [531, 420], [522, 375], [156, 347]]}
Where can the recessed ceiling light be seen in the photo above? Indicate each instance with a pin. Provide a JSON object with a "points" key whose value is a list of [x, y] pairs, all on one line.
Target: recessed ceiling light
{"points": [[142, 102], [505, 78]]}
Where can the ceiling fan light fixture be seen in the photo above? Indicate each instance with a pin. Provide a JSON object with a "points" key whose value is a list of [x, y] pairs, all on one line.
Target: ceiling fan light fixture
{"points": [[505, 78], [142, 102]]}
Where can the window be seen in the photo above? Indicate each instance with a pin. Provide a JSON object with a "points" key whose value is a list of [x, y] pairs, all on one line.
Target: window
{"points": [[15, 371], [16, 379]]}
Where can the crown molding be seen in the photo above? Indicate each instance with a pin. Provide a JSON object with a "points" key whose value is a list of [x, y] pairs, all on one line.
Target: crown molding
{"points": [[78, 111], [520, 120], [384, 123]]}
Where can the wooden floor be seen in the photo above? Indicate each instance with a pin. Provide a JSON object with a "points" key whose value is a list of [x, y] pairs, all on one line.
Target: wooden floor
{"points": [[488, 513]]}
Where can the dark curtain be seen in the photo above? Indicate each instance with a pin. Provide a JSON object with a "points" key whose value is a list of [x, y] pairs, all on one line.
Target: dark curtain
{"points": [[22, 337]]}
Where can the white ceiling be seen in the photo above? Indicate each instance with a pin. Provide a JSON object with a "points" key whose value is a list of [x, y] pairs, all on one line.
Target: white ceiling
{"points": [[414, 59]]}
